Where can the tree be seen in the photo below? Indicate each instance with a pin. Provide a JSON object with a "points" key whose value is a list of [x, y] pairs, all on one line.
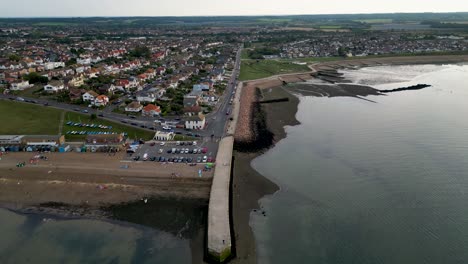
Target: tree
{"points": [[14, 57], [140, 52], [72, 61], [34, 78]]}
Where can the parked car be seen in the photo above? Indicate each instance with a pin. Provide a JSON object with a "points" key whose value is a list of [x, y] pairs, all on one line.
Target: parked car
{"points": [[85, 111], [199, 159], [161, 151], [205, 159], [162, 144], [136, 158]]}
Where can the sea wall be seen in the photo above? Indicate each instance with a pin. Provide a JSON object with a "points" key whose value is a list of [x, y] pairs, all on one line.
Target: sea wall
{"points": [[219, 238]]}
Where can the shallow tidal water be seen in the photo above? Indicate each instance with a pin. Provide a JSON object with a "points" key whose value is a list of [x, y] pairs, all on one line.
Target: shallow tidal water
{"points": [[159, 231], [364, 182]]}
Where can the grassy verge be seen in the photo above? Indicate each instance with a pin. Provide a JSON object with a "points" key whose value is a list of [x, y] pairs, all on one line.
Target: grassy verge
{"points": [[253, 69]]}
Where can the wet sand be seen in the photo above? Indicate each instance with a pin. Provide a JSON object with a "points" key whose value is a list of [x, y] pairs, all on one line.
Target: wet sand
{"points": [[95, 180], [248, 185]]}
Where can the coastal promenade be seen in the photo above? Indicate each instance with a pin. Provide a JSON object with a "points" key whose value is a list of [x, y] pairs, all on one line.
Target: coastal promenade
{"points": [[219, 224]]}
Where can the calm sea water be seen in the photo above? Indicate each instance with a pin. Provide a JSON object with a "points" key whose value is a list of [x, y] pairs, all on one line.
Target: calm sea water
{"points": [[364, 182], [30, 239]]}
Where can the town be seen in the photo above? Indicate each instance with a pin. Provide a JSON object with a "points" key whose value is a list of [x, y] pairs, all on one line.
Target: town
{"points": [[105, 111]]}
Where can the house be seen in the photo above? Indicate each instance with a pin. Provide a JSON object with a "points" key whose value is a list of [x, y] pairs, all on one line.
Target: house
{"points": [[151, 110], [107, 89], [76, 81], [101, 100], [191, 100], [89, 96], [195, 122], [19, 85], [75, 94], [134, 107], [54, 86], [122, 84], [163, 136], [147, 95], [192, 110], [84, 61], [53, 65], [201, 87]]}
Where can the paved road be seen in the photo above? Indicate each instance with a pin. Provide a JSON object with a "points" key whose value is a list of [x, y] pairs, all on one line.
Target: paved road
{"points": [[216, 120]]}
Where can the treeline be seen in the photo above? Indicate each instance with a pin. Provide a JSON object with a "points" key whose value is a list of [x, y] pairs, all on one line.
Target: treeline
{"points": [[445, 25]]}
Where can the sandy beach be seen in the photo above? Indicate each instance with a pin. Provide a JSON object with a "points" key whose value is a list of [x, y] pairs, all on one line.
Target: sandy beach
{"points": [[95, 179]]}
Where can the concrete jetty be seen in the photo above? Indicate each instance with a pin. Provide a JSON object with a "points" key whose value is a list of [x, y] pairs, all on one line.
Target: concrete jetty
{"points": [[219, 225]]}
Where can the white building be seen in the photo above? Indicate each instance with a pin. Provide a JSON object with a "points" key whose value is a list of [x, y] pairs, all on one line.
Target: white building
{"points": [[84, 61], [54, 86], [195, 122], [20, 85], [164, 136], [89, 96], [53, 65]]}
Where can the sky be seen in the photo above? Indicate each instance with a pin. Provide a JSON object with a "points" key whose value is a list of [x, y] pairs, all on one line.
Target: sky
{"points": [[63, 8]]}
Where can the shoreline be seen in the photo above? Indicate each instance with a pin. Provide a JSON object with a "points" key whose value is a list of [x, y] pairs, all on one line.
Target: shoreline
{"points": [[249, 186]]}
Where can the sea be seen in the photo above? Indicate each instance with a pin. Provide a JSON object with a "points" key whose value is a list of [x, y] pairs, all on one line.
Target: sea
{"points": [[158, 231], [378, 181]]}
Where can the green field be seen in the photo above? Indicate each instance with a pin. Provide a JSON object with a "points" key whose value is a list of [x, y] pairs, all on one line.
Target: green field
{"points": [[21, 118], [245, 54], [252, 69], [330, 27], [274, 20], [54, 24], [375, 21]]}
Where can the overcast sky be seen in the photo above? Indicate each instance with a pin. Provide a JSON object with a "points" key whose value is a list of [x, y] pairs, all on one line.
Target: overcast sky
{"points": [[34, 8]]}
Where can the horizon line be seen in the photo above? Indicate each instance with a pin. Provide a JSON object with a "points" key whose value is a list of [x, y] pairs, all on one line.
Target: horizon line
{"points": [[259, 15]]}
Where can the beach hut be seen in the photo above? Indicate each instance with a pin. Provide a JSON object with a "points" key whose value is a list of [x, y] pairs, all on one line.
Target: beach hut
{"points": [[64, 148]]}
